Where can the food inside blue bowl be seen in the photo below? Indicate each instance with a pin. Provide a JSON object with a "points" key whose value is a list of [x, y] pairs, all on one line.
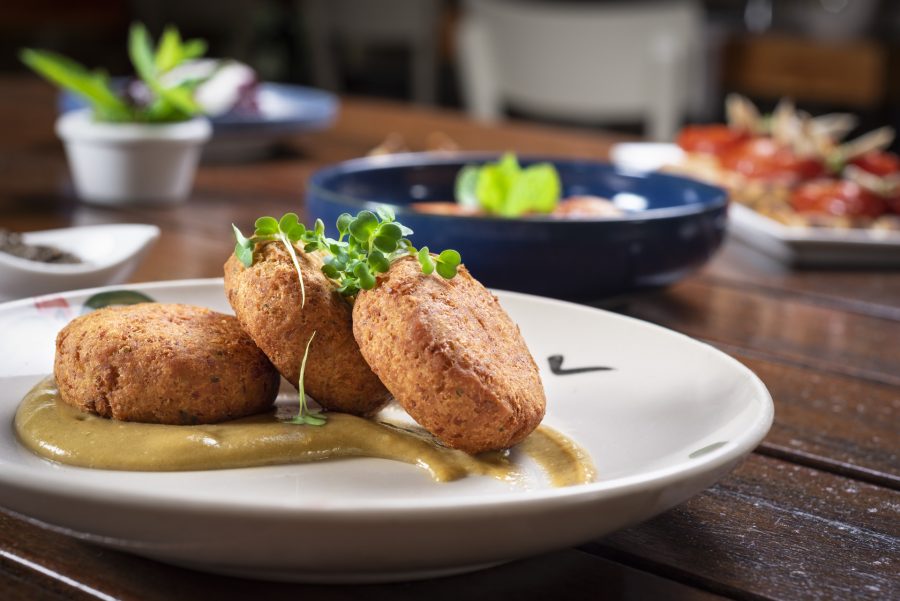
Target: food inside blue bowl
{"points": [[506, 189], [667, 226]]}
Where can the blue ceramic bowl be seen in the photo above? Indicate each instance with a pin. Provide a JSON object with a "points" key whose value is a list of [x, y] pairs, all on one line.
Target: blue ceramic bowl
{"points": [[672, 225]]}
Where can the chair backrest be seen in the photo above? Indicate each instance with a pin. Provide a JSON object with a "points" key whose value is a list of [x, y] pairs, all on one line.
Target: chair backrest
{"points": [[606, 61], [410, 23]]}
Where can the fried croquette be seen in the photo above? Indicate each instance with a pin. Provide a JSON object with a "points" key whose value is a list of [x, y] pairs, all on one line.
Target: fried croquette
{"points": [[159, 363], [267, 301], [451, 356]]}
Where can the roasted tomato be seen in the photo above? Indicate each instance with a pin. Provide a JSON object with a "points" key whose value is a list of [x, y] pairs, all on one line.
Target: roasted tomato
{"points": [[763, 158], [837, 197], [878, 163], [710, 139]]}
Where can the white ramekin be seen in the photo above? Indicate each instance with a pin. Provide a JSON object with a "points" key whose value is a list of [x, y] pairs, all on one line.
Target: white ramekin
{"points": [[117, 163]]}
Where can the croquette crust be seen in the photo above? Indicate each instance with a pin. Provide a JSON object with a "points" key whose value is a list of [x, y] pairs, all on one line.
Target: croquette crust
{"points": [[162, 363], [451, 356], [267, 301]]}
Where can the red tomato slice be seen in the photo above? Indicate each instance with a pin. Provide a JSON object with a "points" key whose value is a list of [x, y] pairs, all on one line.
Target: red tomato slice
{"points": [[878, 163], [837, 197], [763, 158], [709, 139]]}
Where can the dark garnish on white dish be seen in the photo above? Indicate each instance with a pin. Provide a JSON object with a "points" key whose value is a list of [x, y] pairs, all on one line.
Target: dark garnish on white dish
{"points": [[12, 243]]}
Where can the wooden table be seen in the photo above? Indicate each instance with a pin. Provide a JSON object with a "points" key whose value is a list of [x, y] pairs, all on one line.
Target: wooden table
{"points": [[813, 513]]}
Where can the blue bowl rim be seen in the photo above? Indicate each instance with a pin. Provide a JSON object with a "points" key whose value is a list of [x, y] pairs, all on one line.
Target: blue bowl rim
{"points": [[718, 199]]}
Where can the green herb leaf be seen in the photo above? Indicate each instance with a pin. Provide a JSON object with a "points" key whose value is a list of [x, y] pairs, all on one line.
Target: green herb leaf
{"points": [[351, 264], [364, 276], [504, 188], [296, 233], [343, 224], [172, 103], [466, 184], [536, 190], [363, 226], [266, 226], [386, 213], [447, 263], [288, 221], [384, 243], [330, 271], [378, 262], [169, 53], [140, 51], [193, 49], [93, 87], [391, 231], [175, 101], [243, 250], [426, 261]]}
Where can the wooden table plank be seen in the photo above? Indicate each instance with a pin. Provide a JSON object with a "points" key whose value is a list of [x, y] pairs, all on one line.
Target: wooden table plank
{"points": [[774, 530], [569, 574], [832, 422], [864, 291], [789, 329]]}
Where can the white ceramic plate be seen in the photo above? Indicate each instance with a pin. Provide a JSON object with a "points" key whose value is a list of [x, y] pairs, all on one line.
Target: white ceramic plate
{"points": [[109, 254], [670, 418], [794, 245]]}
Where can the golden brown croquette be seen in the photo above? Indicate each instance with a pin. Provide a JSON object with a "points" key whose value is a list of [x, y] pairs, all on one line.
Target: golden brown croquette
{"points": [[267, 301], [159, 363], [451, 356]]}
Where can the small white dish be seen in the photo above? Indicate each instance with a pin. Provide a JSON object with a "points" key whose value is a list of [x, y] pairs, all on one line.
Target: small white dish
{"points": [[670, 418], [119, 163], [645, 156], [109, 255], [793, 245]]}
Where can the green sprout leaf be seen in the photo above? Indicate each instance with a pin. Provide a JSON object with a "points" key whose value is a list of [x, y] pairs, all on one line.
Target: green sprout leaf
{"points": [[447, 263], [266, 226], [426, 261], [364, 276], [243, 250], [365, 248], [305, 415], [343, 224], [362, 227], [378, 262], [505, 188], [385, 213]]}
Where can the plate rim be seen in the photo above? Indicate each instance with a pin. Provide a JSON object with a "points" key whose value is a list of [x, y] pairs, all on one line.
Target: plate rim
{"points": [[721, 458]]}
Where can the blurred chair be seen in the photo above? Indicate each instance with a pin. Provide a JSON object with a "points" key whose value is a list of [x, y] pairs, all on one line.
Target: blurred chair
{"points": [[409, 23], [590, 62]]}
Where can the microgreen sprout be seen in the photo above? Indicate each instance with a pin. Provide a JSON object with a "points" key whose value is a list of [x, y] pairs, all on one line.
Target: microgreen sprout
{"points": [[288, 230], [305, 415], [366, 246]]}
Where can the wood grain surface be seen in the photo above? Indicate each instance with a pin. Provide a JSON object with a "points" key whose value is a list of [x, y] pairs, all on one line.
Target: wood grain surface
{"points": [[813, 514]]}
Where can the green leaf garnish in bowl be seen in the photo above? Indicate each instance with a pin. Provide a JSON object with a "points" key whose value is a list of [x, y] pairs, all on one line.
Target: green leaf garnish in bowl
{"points": [[507, 189]]}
